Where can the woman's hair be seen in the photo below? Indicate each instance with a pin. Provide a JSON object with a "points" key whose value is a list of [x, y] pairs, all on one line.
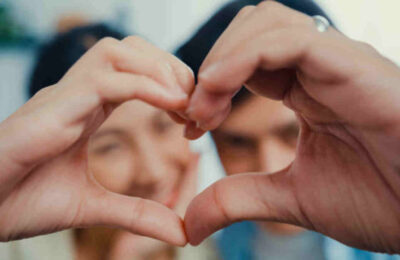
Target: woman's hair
{"points": [[60, 53], [194, 51]]}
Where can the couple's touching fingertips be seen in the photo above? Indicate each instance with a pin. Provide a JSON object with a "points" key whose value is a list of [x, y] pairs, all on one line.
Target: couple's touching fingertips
{"points": [[303, 119]]}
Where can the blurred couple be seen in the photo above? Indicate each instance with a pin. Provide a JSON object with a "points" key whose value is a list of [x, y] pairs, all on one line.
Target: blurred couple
{"points": [[139, 151]]}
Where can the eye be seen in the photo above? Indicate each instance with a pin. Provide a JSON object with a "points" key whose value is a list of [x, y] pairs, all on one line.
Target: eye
{"points": [[235, 141], [239, 141], [162, 124], [289, 134], [107, 148]]}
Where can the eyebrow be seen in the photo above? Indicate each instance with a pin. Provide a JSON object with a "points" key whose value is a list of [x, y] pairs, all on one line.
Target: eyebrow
{"points": [[282, 127], [287, 126], [109, 131], [229, 133], [157, 116]]}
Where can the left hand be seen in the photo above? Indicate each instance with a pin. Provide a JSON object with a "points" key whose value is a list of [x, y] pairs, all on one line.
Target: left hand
{"points": [[46, 184]]}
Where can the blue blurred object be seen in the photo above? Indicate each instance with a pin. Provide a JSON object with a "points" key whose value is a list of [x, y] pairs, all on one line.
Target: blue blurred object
{"points": [[11, 33], [237, 242]]}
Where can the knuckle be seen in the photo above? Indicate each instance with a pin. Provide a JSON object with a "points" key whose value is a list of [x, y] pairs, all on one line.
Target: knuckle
{"points": [[106, 45], [270, 11], [269, 5], [281, 14], [161, 72], [134, 40], [43, 92], [107, 42], [99, 87], [162, 67], [245, 10], [95, 80]]}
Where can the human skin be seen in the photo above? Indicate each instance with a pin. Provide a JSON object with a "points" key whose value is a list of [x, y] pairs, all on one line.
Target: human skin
{"points": [[45, 182], [262, 142], [345, 178], [138, 151], [344, 93]]}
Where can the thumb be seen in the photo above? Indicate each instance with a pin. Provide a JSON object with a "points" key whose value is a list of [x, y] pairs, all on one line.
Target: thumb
{"points": [[252, 196], [137, 215]]}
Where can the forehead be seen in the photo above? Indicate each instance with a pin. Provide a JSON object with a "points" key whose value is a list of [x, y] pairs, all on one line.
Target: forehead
{"points": [[132, 113], [258, 115]]}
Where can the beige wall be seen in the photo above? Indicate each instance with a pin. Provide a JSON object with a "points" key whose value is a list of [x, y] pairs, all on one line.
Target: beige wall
{"points": [[374, 21]]}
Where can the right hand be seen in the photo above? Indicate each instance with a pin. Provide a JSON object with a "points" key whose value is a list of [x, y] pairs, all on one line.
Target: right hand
{"points": [[344, 181], [45, 182]]}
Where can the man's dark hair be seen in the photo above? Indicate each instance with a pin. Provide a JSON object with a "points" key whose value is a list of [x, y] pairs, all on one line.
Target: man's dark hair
{"points": [[194, 51], [61, 52]]}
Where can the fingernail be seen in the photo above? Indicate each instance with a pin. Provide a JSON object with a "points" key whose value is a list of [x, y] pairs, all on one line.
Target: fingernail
{"points": [[191, 132], [188, 132], [189, 111]]}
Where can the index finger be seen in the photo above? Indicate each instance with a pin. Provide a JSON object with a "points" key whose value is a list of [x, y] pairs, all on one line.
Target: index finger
{"points": [[271, 38]]}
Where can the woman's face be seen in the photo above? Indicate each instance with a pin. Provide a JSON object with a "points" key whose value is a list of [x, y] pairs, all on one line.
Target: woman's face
{"points": [[258, 136], [139, 151]]}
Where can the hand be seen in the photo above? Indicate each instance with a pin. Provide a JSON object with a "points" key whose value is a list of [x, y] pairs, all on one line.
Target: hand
{"points": [[45, 182], [345, 179]]}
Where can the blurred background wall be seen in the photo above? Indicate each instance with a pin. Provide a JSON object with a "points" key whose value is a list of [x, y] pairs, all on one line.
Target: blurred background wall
{"points": [[374, 21]]}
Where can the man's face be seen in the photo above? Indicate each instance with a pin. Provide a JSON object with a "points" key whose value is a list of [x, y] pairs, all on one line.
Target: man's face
{"points": [[259, 135]]}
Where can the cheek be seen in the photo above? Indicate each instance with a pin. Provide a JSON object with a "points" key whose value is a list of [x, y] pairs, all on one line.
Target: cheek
{"points": [[238, 161], [178, 157], [279, 157], [239, 166], [176, 154], [113, 173], [177, 147]]}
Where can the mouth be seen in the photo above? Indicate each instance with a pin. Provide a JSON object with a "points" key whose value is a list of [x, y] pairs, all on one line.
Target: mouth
{"points": [[172, 198]]}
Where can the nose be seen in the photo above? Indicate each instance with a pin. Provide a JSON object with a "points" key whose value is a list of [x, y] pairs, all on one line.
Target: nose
{"points": [[150, 162], [274, 155]]}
